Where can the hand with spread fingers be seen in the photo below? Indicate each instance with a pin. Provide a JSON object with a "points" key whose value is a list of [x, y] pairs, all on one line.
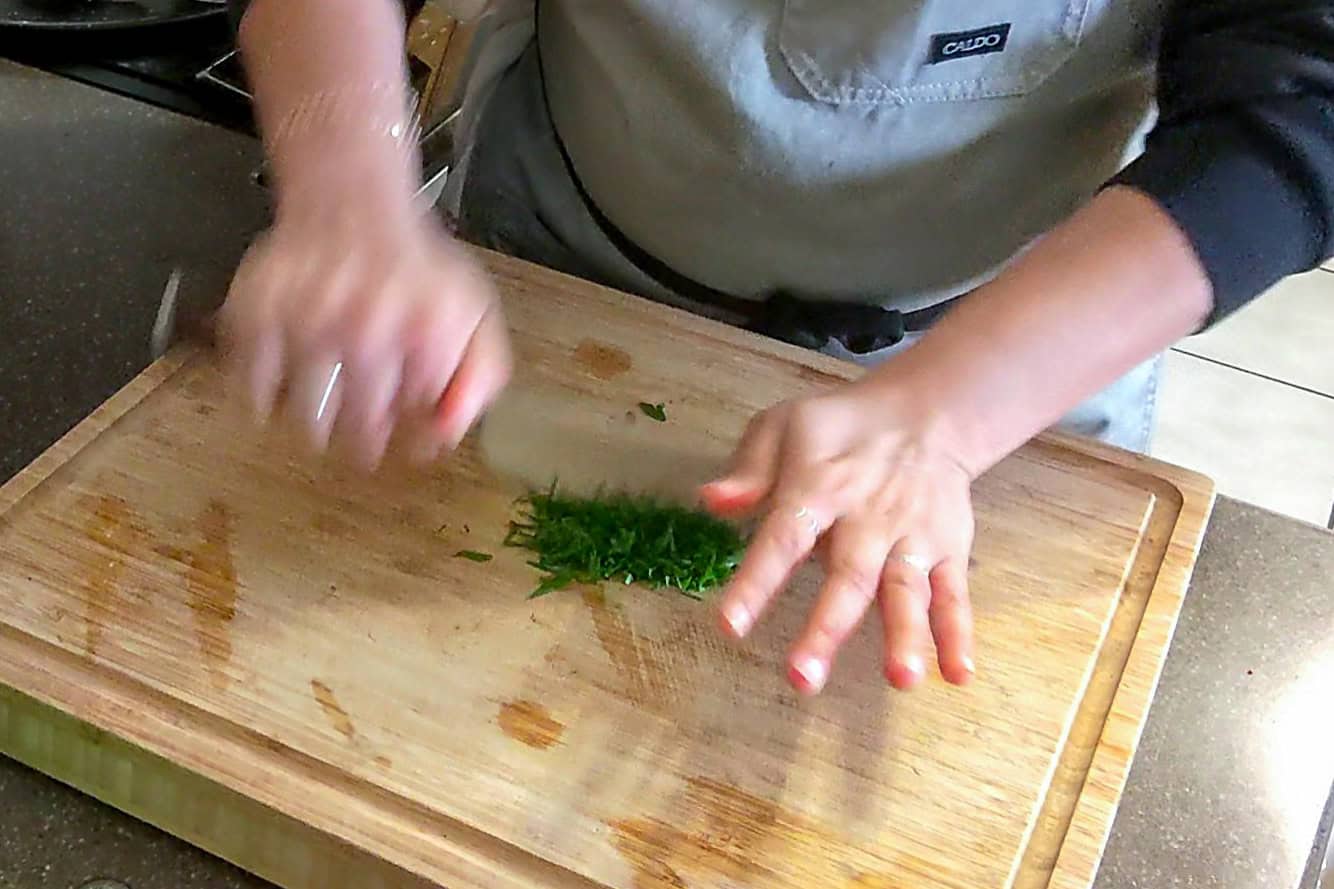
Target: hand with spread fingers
{"points": [[866, 479], [359, 334]]}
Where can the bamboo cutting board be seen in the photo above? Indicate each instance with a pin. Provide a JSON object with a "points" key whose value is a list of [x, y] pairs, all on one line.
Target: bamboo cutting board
{"points": [[288, 665]]}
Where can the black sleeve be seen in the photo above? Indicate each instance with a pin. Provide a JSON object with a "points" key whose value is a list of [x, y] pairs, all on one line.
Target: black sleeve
{"points": [[1242, 156]]}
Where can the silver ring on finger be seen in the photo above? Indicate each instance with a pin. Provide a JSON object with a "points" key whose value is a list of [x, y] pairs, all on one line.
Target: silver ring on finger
{"points": [[328, 390], [812, 523], [920, 564]]}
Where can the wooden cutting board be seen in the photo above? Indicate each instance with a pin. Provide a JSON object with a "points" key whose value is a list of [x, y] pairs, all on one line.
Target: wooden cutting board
{"points": [[288, 665]]}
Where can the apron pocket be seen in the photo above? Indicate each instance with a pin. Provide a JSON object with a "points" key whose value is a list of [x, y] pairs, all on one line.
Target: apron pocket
{"points": [[873, 52]]}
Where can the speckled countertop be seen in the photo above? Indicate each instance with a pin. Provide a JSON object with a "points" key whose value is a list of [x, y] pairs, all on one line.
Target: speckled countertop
{"points": [[101, 196]]}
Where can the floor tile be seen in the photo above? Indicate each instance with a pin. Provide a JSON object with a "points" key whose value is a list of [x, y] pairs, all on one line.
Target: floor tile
{"points": [[1261, 441], [1285, 334]]}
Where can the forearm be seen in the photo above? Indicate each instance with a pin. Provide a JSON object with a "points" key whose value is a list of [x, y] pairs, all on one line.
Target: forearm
{"points": [[1110, 288], [331, 97]]}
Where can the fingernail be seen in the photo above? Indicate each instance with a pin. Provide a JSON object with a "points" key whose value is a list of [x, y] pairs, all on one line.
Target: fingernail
{"points": [[968, 664], [914, 664], [811, 669], [730, 486], [727, 496], [716, 490], [738, 618]]}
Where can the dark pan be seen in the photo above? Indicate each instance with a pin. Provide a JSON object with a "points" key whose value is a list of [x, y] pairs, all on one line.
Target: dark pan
{"points": [[103, 15]]}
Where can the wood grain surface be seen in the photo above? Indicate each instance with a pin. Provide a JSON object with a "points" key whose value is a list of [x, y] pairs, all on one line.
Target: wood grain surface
{"points": [[305, 642]]}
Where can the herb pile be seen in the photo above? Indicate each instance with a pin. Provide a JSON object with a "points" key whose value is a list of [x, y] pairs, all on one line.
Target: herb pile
{"points": [[631, 539]]}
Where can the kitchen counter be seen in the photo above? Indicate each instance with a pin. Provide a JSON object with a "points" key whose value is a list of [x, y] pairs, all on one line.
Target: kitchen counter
{"points": [[103, 195]]}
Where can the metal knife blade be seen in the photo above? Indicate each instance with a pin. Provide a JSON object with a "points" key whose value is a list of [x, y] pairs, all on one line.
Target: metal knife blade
{"points": [[172, 324], [164, 325], [536, 437]]}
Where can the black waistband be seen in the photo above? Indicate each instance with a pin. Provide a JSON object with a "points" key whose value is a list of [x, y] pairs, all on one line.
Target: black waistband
{"points": [[861, 328]]}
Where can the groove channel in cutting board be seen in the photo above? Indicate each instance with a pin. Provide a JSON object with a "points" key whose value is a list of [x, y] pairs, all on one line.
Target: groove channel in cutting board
{"points": [[313, 628]]}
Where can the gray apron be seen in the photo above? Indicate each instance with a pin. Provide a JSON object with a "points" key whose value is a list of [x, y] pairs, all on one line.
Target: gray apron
{"points": [[855, 154]]}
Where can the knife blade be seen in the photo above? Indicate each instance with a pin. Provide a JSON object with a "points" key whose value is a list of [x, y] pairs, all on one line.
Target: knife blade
{"points": [[539, 436], [172, 324], [164, 325]]}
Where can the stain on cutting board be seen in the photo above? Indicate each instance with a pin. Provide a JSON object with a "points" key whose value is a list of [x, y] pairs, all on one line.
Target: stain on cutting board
{"points": [[333, 711], [113, 527], [724, 835], [655, 674], [642, 677], [210, 575], [602, 361], [211, 582], [529, 723]]}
